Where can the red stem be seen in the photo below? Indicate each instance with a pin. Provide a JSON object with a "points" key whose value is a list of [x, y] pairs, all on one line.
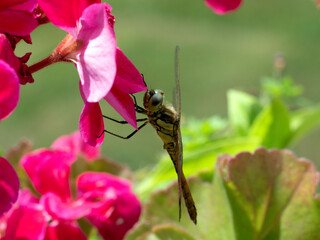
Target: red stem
{"points": [[39, 65]]}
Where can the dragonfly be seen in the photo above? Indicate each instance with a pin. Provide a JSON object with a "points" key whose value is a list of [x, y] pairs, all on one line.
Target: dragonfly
{"points": [[165, 120]]}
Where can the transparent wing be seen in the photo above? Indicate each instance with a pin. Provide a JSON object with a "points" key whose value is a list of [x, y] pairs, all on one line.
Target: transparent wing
{"points": [[176, 99], [177, 105]]}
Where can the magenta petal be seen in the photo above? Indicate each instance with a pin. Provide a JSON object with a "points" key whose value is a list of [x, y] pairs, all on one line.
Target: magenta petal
{"points": [[97, 62], [15, 22], [74, 143], [65, 14], [123, 104], [91, 124], [49, 171], [9, 91], [223, 6], [9, 3], [62, 210], [7, 54], [128, 78], [120, 209], [26, 222], [25, 5], [9, 185], [64, 231]]}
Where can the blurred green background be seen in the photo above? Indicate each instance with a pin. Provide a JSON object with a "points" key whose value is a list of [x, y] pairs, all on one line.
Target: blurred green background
{"points": [[217, 53]]}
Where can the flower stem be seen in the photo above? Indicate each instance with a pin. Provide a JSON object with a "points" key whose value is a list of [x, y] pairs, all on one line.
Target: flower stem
{"points": [[42, 64]]}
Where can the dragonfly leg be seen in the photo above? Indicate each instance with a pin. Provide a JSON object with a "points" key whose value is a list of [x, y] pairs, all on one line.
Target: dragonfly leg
{"points": [[127, 137], [143, 79], [123, 122], [136, 106]]}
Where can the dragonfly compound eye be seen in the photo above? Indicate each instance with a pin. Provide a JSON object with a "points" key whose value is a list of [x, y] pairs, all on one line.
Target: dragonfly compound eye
{"points": [[156, 99]]}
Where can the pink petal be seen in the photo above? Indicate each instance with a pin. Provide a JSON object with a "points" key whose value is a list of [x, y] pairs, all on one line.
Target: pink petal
{"points": [[9, 185], [7, 54], [128, 78], [49, 171], [26, 197], [91, 124], [93, 181], [25, 5], [9, 91], [64, 231], [97, 62], [65, 14], [62, 210], [223, 6], [120, 210], [17, 22], [9, 3], [75, 144], [26, 222], [123, 104]]}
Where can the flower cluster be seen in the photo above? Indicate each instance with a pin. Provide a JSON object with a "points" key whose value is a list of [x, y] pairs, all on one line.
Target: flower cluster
{"points": [[104, 71], [104, 200]]}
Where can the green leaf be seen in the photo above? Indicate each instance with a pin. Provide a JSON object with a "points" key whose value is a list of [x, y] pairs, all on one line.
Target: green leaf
{"points": [[303, 121], [242, 109], [196, 160], [267, 195], [281, 88], [270, 194], [160, 215], [272, 125]]}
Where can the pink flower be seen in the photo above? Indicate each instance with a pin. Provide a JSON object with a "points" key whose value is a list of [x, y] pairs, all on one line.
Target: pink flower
{"points": [[26, 220], [105, 200], [223, 6], [9, 91], [75, 144], [128, 81], [9, 80], [29, 220], [49, 171], [16, 17], [92, 46], [120, 209], [9, 185]]}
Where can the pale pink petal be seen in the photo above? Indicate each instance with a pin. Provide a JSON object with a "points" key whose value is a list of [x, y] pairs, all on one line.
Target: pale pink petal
{"points": [[96, 63], [123, 104], [128, 78], [74, 143], [26, 222], [223, 6], [9, 185], [67, 210], [49, 171], [9, 90], [64, 231], [121, 209], [91, 124], [26, 197], [65, 14], [17, 22]]}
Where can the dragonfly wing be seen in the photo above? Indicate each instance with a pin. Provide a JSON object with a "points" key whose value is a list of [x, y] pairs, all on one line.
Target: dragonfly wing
{"points": [[176, 99], [177, 105]]}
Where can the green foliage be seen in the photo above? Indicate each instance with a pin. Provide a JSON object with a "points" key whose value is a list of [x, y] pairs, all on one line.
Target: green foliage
{"points": [[264, 195], [254, 121]]}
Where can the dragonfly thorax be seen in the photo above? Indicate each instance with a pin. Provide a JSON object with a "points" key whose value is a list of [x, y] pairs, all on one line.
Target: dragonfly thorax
{"points": [[153, 100]]}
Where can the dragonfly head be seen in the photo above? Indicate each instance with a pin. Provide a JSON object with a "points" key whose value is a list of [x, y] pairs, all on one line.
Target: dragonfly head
{"points": [[153, 100]]}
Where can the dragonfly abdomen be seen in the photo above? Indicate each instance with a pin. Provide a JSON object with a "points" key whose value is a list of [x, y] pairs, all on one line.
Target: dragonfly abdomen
{"points": [[171, 149]]}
